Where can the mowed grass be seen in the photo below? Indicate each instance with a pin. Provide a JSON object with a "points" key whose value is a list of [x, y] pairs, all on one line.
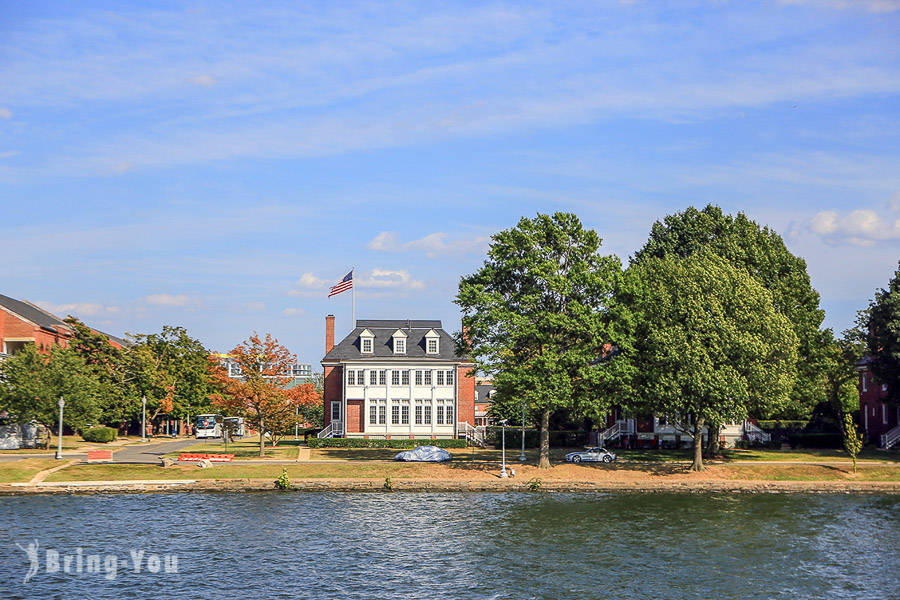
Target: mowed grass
{"points": [[245, 449], [112, 472], [866, 472], [21, 471]]}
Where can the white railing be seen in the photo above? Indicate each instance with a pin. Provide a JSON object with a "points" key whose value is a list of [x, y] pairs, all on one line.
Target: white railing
{"points": [[755, 434], [890, 438], [333, 429], [620, 428], [474, 435]]}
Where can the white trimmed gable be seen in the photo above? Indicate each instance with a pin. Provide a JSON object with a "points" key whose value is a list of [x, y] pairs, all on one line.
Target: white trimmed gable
{"points": [[367, 342], [432, 342], [398, 341]]}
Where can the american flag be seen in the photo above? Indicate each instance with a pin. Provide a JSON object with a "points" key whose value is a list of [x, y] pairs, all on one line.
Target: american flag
{"points": [[345, 284]]}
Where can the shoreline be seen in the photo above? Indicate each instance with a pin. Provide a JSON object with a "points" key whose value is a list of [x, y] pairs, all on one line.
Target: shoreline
{"points": [[445, 485]]}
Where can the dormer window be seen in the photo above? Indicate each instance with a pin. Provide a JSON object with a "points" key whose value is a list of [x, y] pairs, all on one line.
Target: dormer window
{"points": [[431, 342], [366, 342], [399, 340]]}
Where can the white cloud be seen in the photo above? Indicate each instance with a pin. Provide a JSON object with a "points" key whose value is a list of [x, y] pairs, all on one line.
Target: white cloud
{"points": [[203, 80], [310, 286], [893, 203], [168, 300], [432, 245], [9, 154], [874, 6], [121, 167], [859, 228], [89, 309], [5, 113], [387, 278], [293, 312]]}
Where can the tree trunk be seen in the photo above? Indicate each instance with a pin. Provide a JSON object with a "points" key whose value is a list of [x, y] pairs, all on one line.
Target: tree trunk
{"points": [[544, 462], [712, 441], [262, 438], [697, 465]]}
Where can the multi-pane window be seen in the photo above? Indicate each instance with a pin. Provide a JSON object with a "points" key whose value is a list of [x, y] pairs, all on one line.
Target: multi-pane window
{"points": [[427, 377], [335, 411], [382, 413], [373, 378], [440, 415], [449, 414], [395, 412], [351, 377], [404, 413], [395, 377], [405, 377], [367, 345], [440, 378], [418, 412], [427, 414], [449, 377], [382, 377], [373, 414], [432, 346], [418, 377], [399, 346]]}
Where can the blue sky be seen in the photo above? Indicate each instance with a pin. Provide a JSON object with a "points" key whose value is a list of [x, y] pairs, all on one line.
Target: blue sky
{"points": [[218, 165]]}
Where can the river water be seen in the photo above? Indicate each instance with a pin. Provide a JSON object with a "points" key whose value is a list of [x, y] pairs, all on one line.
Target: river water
{"points": [[450, 545]]}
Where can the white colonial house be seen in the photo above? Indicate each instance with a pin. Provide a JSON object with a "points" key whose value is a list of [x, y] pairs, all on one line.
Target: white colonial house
{"points": [[396, 378]]}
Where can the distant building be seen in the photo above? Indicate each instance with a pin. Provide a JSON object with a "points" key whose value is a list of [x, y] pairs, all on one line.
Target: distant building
{"points": [[484, 396], [399, 379], [22, 323], [300, 372], [879, 420]]}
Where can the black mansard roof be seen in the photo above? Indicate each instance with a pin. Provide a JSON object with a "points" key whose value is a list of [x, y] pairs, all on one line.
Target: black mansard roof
{"points": [[383, 347]]}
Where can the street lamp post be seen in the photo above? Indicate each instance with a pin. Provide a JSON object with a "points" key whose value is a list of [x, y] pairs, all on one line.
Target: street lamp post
{"points": [[503, 472], [522, 456], [144, 419], [61, 404]]}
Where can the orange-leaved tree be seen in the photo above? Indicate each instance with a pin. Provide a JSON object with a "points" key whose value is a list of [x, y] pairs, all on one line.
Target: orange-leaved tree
{"points": [[304, 397], [261, 395]]}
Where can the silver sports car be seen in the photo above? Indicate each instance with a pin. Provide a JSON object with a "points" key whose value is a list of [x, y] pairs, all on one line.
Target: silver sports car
{"points": [[591, 455]]}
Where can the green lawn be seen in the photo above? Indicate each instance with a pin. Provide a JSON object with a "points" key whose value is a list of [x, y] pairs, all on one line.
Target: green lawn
{"points": [[23, 470]]}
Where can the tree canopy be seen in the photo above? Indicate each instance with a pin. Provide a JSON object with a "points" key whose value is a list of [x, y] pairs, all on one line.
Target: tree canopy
{"points": [[761, 253], [262, 395], [708, 345], [536, 317], [883, 338]]}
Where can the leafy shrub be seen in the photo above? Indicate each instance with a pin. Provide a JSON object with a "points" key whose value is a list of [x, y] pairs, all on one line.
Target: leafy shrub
{"points": [[283, 482], [401, 444], [558, 439], [100, 435], [781, 424]]}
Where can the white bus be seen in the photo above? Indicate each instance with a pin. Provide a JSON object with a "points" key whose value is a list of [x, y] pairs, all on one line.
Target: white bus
{"points": [[209, 426]]}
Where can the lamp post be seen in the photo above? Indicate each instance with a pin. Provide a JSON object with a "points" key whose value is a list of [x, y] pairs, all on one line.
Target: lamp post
{"points": [[144, 419], [297, 424], [522, 456], [61, 404], [503, 472]]}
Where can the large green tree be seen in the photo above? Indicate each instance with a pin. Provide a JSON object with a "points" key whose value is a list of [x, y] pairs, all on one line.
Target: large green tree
{"points": [[34, 380], [760, 252], [708, 345], [884, 337], [537, 318]]}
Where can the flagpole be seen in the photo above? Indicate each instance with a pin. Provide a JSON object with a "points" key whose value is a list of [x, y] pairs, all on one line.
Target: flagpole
{"points": [[353, 309]]}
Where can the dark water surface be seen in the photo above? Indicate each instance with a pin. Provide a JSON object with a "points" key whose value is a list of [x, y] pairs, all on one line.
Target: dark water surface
{"points": [[453, 545]]}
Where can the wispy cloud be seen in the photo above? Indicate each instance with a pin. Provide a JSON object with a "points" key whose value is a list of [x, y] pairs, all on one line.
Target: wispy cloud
{"points": [[89, 309], [875, 6], [389, 278], [171, 300], [204, 80], [432, 245], [5, 113], [293, 312]]}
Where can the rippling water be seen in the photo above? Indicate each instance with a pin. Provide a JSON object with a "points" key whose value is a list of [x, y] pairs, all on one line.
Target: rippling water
{"points": [[454, 545]]}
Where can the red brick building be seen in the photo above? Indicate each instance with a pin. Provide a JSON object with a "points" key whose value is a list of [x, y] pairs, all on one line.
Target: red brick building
{"points": [[879, 420], [22, 323], [396, 378]]}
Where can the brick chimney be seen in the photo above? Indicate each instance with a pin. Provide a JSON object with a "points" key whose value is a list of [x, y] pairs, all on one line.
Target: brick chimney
{"points": [[329, 333]]}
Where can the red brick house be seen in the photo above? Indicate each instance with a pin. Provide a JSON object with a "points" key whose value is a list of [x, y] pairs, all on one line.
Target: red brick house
{"points": [[879, 421], [396, 378], [22, 323]]}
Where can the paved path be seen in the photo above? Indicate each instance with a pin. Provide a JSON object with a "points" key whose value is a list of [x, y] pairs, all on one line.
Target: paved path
{"points": [[150, 453]]}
